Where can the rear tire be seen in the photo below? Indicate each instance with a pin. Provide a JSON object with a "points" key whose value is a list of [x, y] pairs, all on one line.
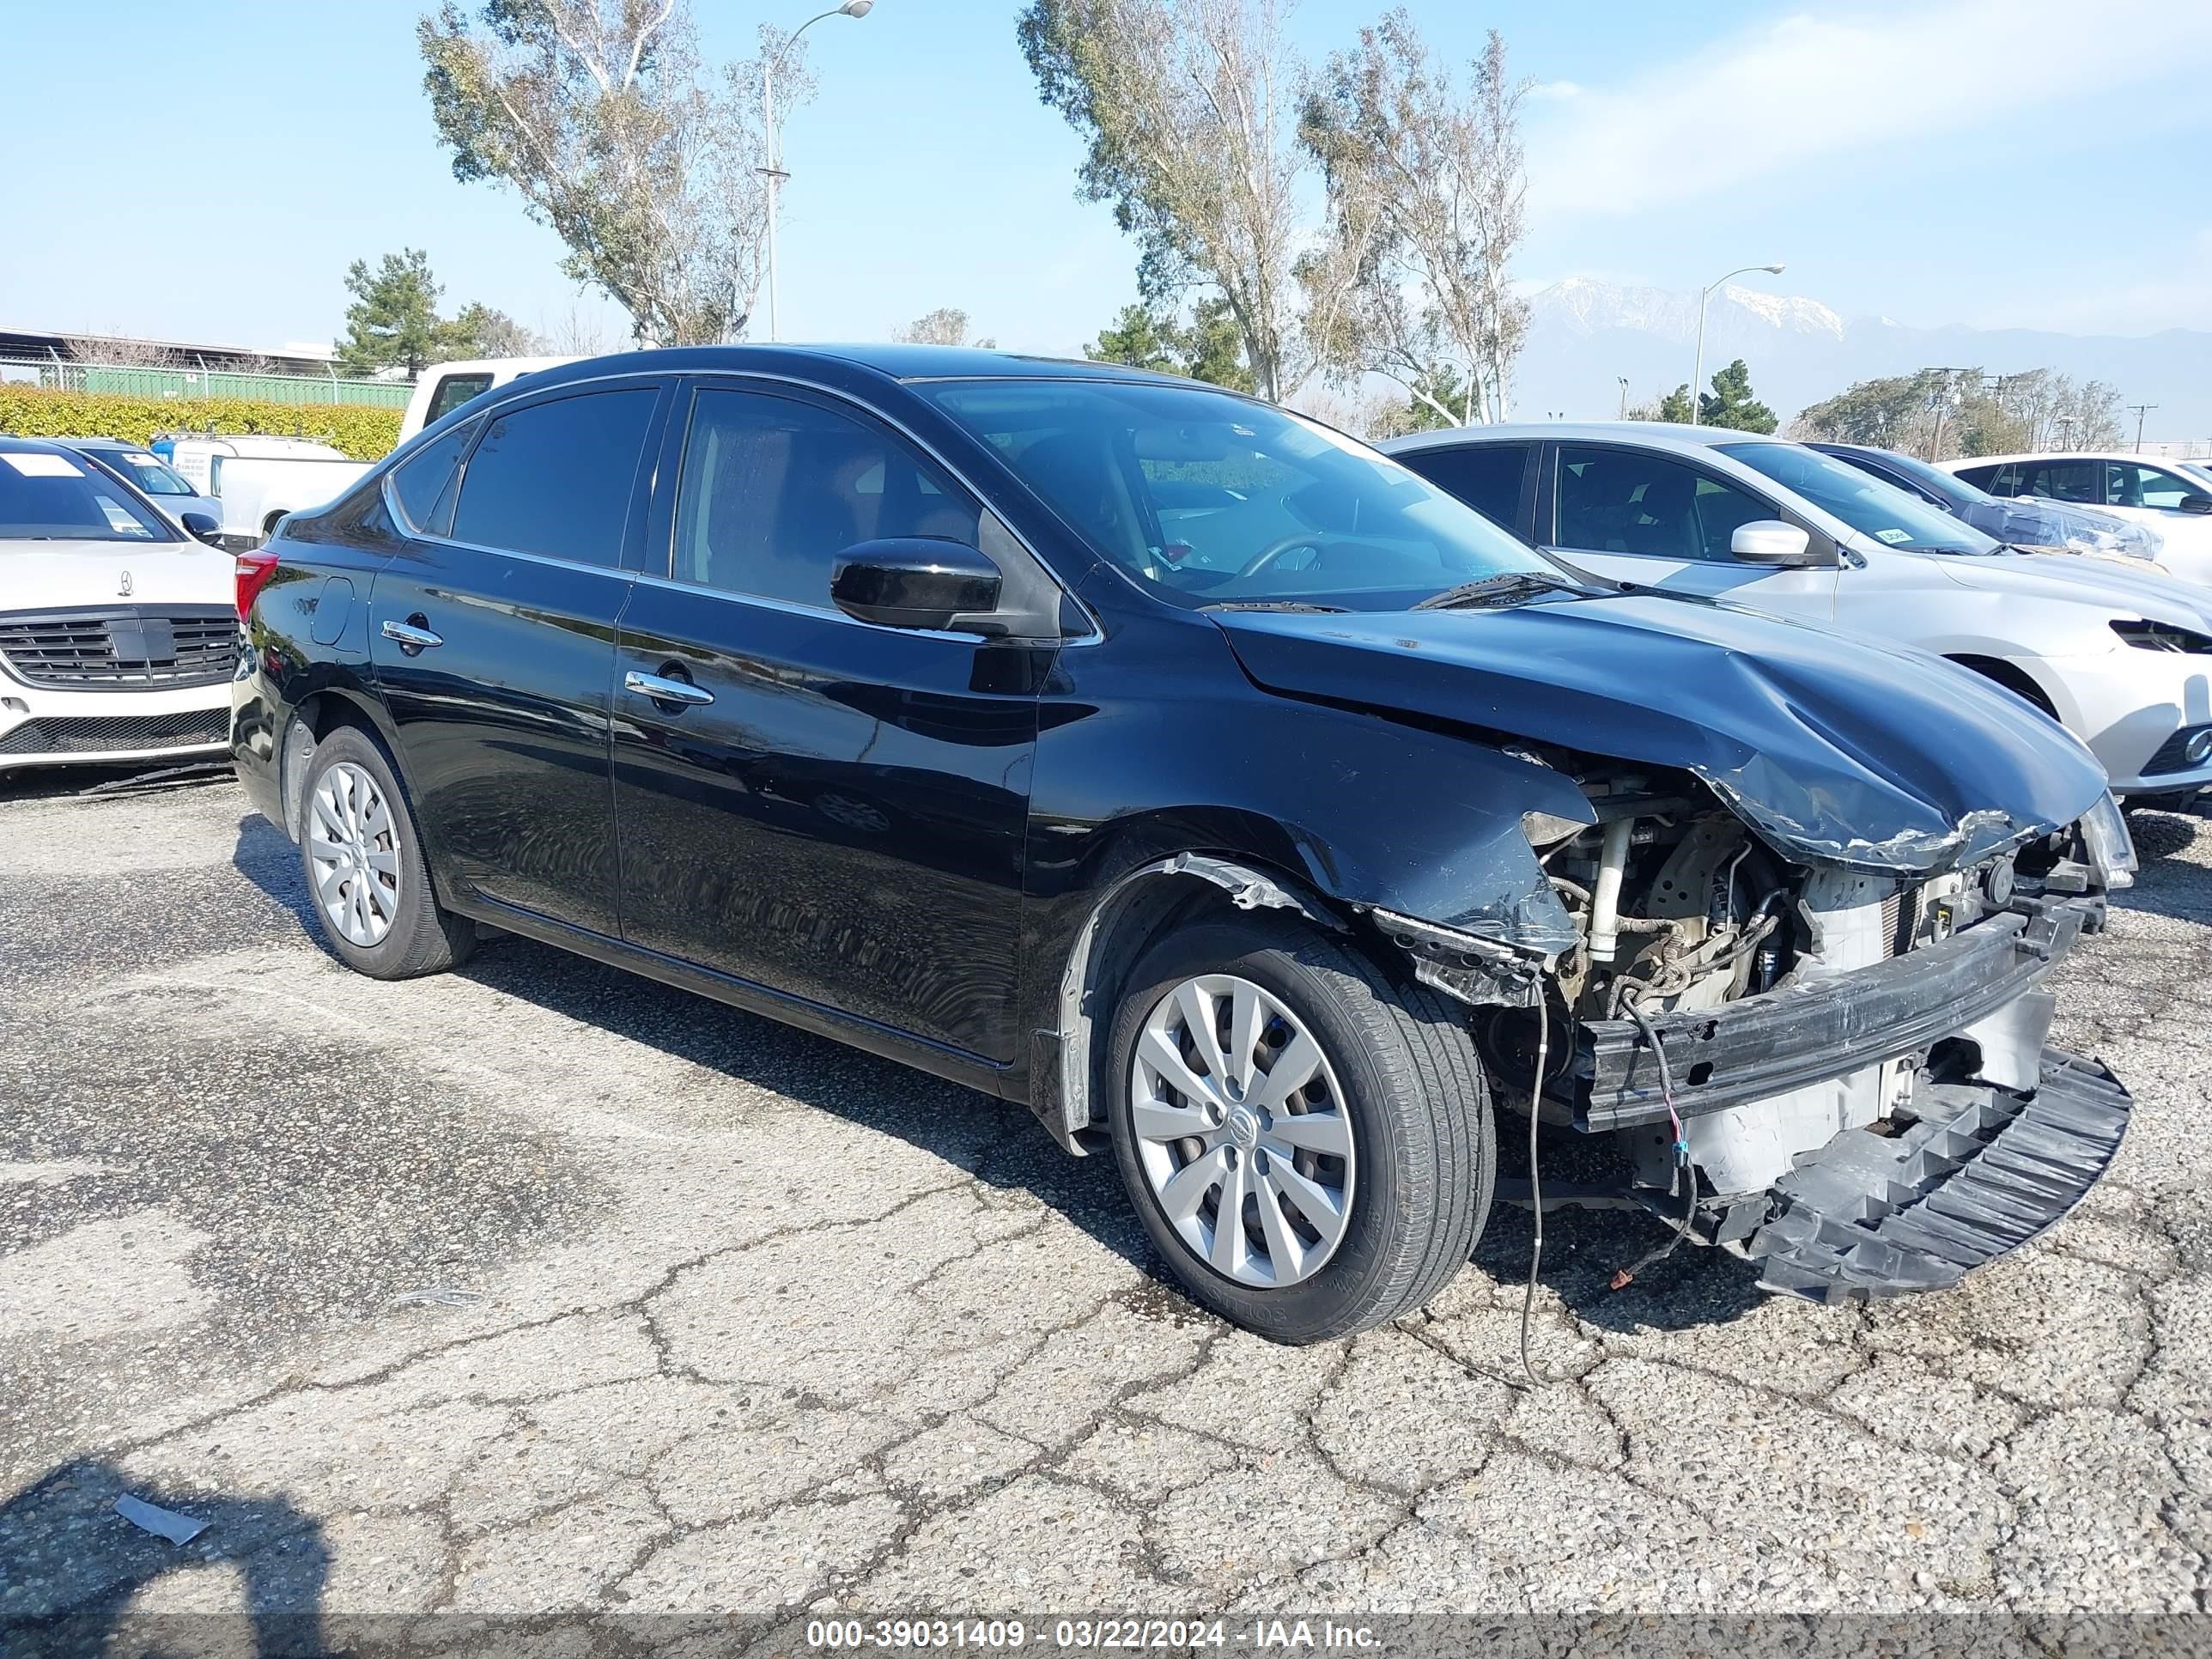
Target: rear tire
{"points": [[1397, 1075], [363, 858]]}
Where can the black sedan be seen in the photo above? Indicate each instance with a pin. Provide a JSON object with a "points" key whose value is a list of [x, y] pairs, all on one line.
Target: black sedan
{"points": [[1210, 785]]}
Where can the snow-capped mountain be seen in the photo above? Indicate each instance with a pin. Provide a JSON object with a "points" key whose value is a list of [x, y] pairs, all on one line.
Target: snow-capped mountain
{"points": [[1586, 335], [1580, 303]]}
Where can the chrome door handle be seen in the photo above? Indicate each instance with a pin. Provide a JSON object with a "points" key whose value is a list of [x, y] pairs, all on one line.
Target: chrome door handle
{"points": [[410, 638], [667, 690]]}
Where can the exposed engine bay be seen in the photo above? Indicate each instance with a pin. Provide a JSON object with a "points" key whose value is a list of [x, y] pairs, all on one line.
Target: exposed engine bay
{"points": [[1733, 1018]]}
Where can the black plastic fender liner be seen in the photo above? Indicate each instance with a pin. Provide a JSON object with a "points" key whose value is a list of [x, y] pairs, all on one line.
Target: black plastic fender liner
{"points": [[1980, 1170]]}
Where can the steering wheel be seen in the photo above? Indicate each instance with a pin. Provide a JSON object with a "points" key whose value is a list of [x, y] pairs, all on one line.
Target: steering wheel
{"points": [[1275, 550]]}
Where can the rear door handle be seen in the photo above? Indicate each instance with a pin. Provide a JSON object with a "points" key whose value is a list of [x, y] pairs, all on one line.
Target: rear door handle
{"points": [[408, 637], [667, 690]]}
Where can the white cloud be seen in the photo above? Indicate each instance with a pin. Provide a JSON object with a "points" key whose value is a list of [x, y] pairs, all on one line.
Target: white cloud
{"points": [[1770, 100]]}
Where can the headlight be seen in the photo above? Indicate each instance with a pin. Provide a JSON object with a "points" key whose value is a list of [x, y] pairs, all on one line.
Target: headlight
{"points": [[2163, 636], [2111, 850]]}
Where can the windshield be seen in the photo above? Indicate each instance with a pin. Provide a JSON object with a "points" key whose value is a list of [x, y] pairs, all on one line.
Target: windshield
{"points": [[1948, 486], [1866, 503], [1208, 499], [147, 472], [45, 496]]}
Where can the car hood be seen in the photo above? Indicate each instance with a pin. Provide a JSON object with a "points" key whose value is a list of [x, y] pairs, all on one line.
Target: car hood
{"points": [[51, 575], [1836, 750]]}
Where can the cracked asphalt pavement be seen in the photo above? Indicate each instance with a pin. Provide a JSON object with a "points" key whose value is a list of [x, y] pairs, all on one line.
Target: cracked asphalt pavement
{"points": [[540, 1289]]}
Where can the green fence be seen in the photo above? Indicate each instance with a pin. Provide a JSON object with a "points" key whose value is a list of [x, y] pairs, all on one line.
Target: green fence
{"points": [[167, 382]]}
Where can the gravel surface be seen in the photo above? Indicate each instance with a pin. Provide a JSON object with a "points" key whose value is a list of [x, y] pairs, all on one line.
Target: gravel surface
{"points": [[539, 1288]]}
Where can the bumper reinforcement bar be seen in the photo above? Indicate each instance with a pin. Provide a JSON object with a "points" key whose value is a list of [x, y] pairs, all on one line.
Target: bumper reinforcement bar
{"points": [[1978, 1170], [1764, 1045]]}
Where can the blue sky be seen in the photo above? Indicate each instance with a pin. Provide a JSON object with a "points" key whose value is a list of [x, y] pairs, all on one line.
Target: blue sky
{"points": [[207, 171]]}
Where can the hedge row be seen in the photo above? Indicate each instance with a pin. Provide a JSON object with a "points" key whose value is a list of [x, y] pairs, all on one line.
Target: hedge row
{"points": [[363, 433]]}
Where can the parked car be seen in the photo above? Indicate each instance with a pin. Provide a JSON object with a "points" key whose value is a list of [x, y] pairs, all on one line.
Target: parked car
{"points": [[2022, 522], [2163, 495], [1210, 784], [160, 484], [118, 636], [2121, 658], [256, 480]]}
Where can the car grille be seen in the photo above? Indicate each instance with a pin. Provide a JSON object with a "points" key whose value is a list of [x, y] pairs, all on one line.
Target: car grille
{"points": [[128, 648], [2173, 755], [104, 734]]}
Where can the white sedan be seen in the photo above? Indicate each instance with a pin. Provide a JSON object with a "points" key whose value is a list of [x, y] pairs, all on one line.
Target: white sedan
{"points": [[119, 632], [2123, 658], [2169, 497]]}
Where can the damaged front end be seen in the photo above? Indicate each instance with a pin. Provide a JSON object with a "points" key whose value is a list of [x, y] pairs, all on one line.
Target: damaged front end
{"points": [[1826, 1052]]}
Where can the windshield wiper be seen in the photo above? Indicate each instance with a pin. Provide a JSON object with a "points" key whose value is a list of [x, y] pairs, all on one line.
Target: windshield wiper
{"points": [[1495, 590], [1274, 605]]}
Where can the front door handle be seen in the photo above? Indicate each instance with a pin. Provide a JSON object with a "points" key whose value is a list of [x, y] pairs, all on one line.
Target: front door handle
{"points": [[410, 637], [667, 690]]}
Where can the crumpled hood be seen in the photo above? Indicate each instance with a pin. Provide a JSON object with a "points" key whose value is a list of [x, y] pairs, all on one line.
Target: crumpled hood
{"points": [[1838, 750], [53, 575]]}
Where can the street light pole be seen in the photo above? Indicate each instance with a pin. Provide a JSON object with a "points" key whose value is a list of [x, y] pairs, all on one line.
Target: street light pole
{"points": [[1623, 379], [774, 170], [1698, 372]]}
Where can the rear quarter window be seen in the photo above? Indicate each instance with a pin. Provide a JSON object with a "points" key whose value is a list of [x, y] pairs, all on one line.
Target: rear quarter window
{"points": [[420, 481]]}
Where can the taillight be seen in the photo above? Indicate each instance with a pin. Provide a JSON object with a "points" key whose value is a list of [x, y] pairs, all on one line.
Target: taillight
{"points": [[254, 570]]}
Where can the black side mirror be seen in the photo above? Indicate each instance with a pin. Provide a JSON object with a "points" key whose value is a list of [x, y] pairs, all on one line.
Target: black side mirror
{"points": [[203, 527], [918, 581], [2196, 503]]}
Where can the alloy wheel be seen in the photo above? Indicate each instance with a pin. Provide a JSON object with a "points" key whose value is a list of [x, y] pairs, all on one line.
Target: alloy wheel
{"points": [[1242, 1131], [354, 851]]}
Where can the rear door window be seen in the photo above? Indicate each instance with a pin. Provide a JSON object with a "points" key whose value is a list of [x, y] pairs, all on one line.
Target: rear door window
{"points": [[1486, 476], [1622, 501], [554, 479], [2064, 480]]}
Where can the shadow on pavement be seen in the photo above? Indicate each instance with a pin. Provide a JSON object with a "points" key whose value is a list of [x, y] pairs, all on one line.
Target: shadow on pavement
{"points": [[73, 1565]]}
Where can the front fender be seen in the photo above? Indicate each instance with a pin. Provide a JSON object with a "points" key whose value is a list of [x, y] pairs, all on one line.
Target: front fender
{"points": [[1141, 762]]}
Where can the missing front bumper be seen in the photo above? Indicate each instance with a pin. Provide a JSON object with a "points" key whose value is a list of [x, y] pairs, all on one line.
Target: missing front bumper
{"points": [[1978, 1170], [1763, 1046]]}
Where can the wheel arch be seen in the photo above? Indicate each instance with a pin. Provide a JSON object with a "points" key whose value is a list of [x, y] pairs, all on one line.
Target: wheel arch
{"points": [[313, 719], [1142, 906], [2011, 676]]}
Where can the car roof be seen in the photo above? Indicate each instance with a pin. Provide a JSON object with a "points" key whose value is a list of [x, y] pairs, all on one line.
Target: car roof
{"points": [[36, 446], [97, 443], [898, 362], [1650, 435], [2052, 455]]}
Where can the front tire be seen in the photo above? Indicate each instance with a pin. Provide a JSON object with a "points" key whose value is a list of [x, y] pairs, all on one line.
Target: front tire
{"points": [[1260, 1069], [363, 858]]}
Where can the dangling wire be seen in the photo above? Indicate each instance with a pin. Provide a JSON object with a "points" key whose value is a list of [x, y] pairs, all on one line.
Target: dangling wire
{"points": [[1684, 1185], [1535, 1185]]}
